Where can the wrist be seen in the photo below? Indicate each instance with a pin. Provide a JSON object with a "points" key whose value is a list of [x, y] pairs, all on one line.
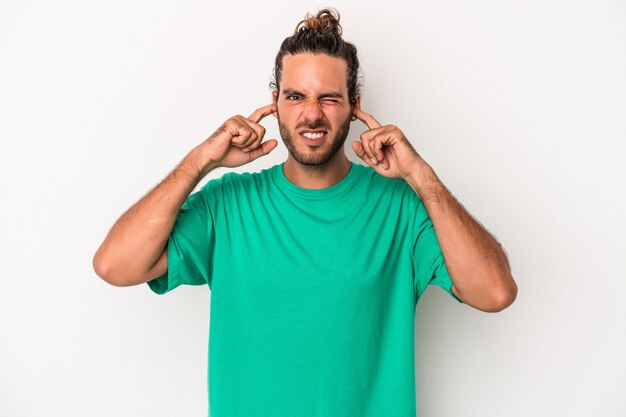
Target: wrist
{"points": [[199, 162], [422, 178]]}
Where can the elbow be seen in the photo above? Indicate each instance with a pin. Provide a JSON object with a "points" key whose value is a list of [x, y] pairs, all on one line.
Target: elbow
{"points": [[106, 272], [102, 269], [503, 296], [493, 297]]}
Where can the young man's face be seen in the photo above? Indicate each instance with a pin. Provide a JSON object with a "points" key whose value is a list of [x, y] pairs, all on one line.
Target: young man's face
{"points": [[313, 108]]}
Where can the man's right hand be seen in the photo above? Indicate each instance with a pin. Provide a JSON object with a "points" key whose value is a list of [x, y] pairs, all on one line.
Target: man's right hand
{"points": [[135, 249], [239, 140]]}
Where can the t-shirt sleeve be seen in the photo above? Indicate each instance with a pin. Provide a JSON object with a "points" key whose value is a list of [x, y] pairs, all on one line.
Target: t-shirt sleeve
{"points": [[189, 246], [429, 266]]}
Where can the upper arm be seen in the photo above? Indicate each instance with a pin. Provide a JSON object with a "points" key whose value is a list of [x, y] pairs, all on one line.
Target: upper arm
{"points": [[456, 292], [159, 268], [187, 256]]}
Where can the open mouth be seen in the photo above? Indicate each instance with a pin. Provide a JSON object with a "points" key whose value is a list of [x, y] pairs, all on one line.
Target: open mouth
{"points": [[313, 137]]}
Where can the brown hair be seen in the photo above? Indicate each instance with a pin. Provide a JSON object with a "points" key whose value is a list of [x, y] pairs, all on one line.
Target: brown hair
{"points": [[320, 34]]}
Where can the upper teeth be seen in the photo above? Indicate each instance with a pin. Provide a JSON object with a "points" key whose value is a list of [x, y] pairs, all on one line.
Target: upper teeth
{"points": [[309, 135]]}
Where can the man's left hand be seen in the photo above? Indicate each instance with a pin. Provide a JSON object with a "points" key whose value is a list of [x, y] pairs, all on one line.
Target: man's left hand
{"points": [[386, 149]]}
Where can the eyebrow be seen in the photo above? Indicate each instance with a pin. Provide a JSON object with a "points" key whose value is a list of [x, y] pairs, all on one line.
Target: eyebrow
{"points": [[331, 94]]}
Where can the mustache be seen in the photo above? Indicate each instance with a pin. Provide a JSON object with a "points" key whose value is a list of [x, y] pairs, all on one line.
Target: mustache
{"points": [[317, 125]]}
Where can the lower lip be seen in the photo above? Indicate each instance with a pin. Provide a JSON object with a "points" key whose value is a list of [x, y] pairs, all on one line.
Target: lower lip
{"points": [[314, 141]]}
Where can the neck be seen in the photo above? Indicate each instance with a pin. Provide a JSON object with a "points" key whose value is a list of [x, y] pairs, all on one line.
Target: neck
{"points": [[317, 176]]}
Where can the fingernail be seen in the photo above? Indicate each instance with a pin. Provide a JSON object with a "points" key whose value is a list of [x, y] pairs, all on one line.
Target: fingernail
{"points": [[246, 149], [374, 161]]}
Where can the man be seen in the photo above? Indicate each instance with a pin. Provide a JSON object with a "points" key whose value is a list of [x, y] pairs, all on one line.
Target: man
{"points": [[315, 265]]}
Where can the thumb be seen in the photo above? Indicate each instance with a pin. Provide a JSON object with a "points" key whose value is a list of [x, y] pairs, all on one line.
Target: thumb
{"points": [[265, 148]]}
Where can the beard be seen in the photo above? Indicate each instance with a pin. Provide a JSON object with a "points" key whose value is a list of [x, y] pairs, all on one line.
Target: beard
{"points": [[320, 155]]}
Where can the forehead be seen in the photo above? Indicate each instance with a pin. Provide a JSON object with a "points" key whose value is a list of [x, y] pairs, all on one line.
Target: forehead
{"points": [[314, 72]]}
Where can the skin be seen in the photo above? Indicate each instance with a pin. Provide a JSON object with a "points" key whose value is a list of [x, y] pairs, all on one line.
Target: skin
{"points": [[135, 249], [476, 261], [313, 94]]}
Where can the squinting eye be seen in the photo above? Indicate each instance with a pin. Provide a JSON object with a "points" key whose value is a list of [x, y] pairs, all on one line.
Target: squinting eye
{"points": [[289, 97]]}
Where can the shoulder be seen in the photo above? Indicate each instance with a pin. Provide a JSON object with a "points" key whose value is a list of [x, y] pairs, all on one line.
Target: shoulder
{"points": [[232, 181], [395, 188]]}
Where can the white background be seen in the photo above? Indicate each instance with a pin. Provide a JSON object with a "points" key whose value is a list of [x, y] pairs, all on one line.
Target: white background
{"points": [[518, 106]]}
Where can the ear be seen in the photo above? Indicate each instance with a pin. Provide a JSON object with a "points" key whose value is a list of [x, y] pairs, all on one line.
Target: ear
{"points": [[356, 105], [275, 101]]}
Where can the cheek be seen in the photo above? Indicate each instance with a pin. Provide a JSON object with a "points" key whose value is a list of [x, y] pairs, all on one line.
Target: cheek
{"points": [[336, 111], [284, 110], [338, 116]]}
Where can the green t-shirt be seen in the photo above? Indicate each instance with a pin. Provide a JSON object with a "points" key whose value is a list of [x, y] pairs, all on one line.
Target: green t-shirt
{"points": [[313, 292]]}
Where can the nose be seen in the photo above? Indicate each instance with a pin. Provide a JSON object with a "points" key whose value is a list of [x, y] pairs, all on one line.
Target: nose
{"points": [[312, 111]]}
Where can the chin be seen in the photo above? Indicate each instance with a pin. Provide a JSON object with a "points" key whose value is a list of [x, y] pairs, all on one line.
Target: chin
{"points": [[316, 150]]}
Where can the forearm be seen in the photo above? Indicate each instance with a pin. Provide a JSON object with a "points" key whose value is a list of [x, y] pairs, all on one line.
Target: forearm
{"points": [[139, 236], [475, 260]]}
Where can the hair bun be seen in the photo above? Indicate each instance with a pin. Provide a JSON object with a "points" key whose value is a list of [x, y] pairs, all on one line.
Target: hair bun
{"points": [[326, 20]]}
